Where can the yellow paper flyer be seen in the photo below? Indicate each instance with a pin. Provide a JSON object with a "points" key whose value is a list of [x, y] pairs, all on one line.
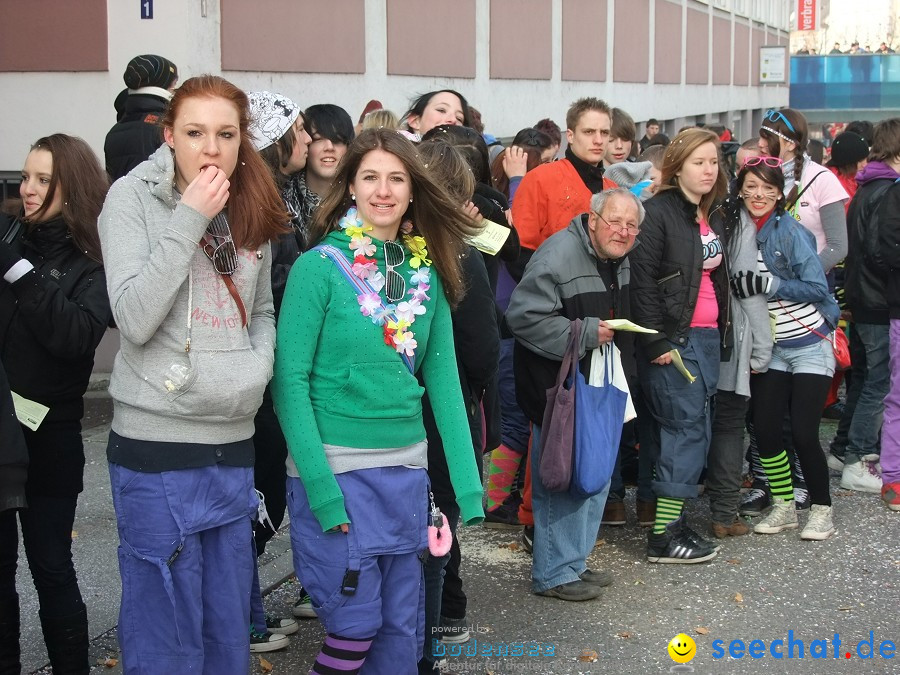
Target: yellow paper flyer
{"points": [[626, 325], [30, 413], [491, 238], [680, 367]]}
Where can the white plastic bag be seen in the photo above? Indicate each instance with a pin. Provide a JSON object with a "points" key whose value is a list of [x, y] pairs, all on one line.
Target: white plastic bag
{"points": [[602, 354]]}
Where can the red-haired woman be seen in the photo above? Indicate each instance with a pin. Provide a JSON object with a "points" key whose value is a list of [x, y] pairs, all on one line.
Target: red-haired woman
{"points": [[54, 311], [185, 236]]}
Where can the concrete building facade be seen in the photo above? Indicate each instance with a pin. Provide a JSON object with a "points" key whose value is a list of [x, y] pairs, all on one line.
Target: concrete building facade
{"points": [[681, 61]]}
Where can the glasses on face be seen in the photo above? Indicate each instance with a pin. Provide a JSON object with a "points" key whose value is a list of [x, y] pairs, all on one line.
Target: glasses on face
{"points": [[219, 246], [394, 283], [775, 115], [619, 226], [773, 162]]}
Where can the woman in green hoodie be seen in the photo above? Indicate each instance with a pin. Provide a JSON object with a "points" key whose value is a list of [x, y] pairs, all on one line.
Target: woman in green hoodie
{"points": [[363, 313]]}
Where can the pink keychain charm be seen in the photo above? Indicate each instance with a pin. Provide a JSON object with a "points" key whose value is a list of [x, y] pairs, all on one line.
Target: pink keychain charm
{"points": [[439, 536]]}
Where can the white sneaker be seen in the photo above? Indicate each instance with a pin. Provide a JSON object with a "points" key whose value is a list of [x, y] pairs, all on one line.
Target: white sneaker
{"points": [[783, 516], [835, 463], [861, 476], [819, 525]]}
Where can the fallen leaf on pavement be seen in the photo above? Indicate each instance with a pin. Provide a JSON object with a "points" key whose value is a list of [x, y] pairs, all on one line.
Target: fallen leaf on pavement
{"points": [[843, 609], [265, 666], [512, 546], [624, 634], [738, 597], [600, 542], [702, 630], [588, 656], [733, 561], [110, 663]]}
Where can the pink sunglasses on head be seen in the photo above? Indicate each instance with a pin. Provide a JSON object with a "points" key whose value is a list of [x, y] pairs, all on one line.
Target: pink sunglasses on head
{"points": [[773, 162]]}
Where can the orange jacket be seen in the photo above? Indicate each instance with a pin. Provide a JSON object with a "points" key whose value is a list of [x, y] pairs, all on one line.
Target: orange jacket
{"points": [[547, 200]]}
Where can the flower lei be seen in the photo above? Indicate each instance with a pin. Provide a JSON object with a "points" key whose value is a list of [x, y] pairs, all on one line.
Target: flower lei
{"points": [[396, 328]]}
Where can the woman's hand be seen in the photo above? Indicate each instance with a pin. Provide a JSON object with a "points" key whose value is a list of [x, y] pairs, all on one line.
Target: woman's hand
{"points": [[663, 360], [745, 284], [343, 527], [472, 212], [208, 192], [515, 162]]}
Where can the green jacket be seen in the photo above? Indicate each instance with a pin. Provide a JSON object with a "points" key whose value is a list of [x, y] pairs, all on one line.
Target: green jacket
{"points": [[337, 382]]}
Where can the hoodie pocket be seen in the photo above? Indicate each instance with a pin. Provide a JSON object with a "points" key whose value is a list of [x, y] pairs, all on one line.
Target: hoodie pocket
{"points": [[225, 384], [379, 390]]}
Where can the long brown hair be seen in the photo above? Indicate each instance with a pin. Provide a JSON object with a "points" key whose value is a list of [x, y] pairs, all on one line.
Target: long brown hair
{"points": [[82, 184], [433, 212], [799, 135], [256, 212], [677, 153]]}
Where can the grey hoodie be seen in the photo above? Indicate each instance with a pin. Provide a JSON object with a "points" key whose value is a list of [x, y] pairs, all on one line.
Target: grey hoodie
{"points": [[750, 316], [166, 296]]}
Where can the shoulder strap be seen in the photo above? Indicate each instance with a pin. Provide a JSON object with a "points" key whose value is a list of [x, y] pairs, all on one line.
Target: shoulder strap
{"points": [[360, 287], [805, 188], [15, 227]]}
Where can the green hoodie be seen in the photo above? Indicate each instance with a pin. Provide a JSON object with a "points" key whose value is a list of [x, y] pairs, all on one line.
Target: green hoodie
{"points": [[336, 381]]}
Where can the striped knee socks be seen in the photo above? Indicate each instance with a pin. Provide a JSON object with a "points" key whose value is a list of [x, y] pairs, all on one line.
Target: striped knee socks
{"points": [[668, 509], [778, 470], [341, 656], [501, 475]]}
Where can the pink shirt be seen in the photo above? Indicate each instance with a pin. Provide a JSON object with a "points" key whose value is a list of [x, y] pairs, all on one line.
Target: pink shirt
{"points": [[826, 189], [706, 312]]}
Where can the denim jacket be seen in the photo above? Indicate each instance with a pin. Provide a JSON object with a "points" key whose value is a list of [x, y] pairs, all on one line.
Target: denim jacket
{"points": [[789, 251]]}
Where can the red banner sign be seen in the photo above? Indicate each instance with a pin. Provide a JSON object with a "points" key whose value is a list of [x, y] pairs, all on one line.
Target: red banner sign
{"points": [[807, 14]]}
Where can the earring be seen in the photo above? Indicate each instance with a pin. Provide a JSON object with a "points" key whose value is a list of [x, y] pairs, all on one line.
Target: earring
{"points": [[410, 200], [352, 197]]}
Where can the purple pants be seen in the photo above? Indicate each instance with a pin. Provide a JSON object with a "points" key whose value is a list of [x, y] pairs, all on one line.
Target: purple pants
{"points": [[890, 431], [186, 558]]}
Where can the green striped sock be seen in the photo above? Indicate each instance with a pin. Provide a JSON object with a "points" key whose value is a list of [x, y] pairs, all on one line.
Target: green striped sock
{"points": [[668, 509], [778, 470]]}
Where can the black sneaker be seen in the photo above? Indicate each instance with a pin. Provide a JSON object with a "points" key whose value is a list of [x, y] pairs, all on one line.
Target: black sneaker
{"points": [[504, 517], [756, 500], [528, 538], [574, 591], [696, 538], [596, 577], [267, 642], [674, 546]]}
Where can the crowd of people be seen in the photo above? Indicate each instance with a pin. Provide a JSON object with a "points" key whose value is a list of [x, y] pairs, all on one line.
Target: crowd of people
{"points": [[415, 353]]}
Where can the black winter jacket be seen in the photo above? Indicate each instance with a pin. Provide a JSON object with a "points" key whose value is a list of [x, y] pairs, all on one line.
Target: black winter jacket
{"points": [[889, 246], [52, 319], [136, 136], [666, 269], [865, 278]]}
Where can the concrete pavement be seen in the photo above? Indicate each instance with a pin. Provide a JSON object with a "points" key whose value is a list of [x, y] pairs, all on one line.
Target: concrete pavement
{"points": [[759, 588]]}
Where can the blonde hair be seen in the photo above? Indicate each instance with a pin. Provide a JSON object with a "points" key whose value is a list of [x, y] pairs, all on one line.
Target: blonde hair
{"points": [[678, 152], [380, 119]]}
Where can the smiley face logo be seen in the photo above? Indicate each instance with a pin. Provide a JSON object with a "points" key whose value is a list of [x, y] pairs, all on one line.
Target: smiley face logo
{"points": [[682, 648]]}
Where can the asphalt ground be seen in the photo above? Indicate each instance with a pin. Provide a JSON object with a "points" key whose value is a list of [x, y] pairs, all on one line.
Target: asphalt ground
{"points": [[760, 587]]}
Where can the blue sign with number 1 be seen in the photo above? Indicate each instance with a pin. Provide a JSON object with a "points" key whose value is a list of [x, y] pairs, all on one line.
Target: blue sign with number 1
{"points": [[146, 9]]}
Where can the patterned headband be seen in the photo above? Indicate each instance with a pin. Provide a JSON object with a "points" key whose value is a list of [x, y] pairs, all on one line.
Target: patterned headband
{"points": [[779, 134]]}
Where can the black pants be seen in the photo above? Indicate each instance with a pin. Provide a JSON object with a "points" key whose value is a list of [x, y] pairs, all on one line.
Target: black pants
{"points": [[775, 392], [725, 460], [269, 474], [47, 535]]}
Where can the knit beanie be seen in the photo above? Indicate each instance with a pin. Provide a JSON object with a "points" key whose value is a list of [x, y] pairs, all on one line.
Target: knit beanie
{"points": [[628, 174], [848, 148], [271, 117], [150, 70]]}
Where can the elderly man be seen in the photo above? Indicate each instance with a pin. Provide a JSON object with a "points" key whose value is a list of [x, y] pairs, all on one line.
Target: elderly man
{"points": [[579, 273]]}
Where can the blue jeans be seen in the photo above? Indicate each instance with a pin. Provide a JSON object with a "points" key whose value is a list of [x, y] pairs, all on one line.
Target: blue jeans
{"points": [[682, 412], [514, 425], [862, 438], [565, 528]]}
